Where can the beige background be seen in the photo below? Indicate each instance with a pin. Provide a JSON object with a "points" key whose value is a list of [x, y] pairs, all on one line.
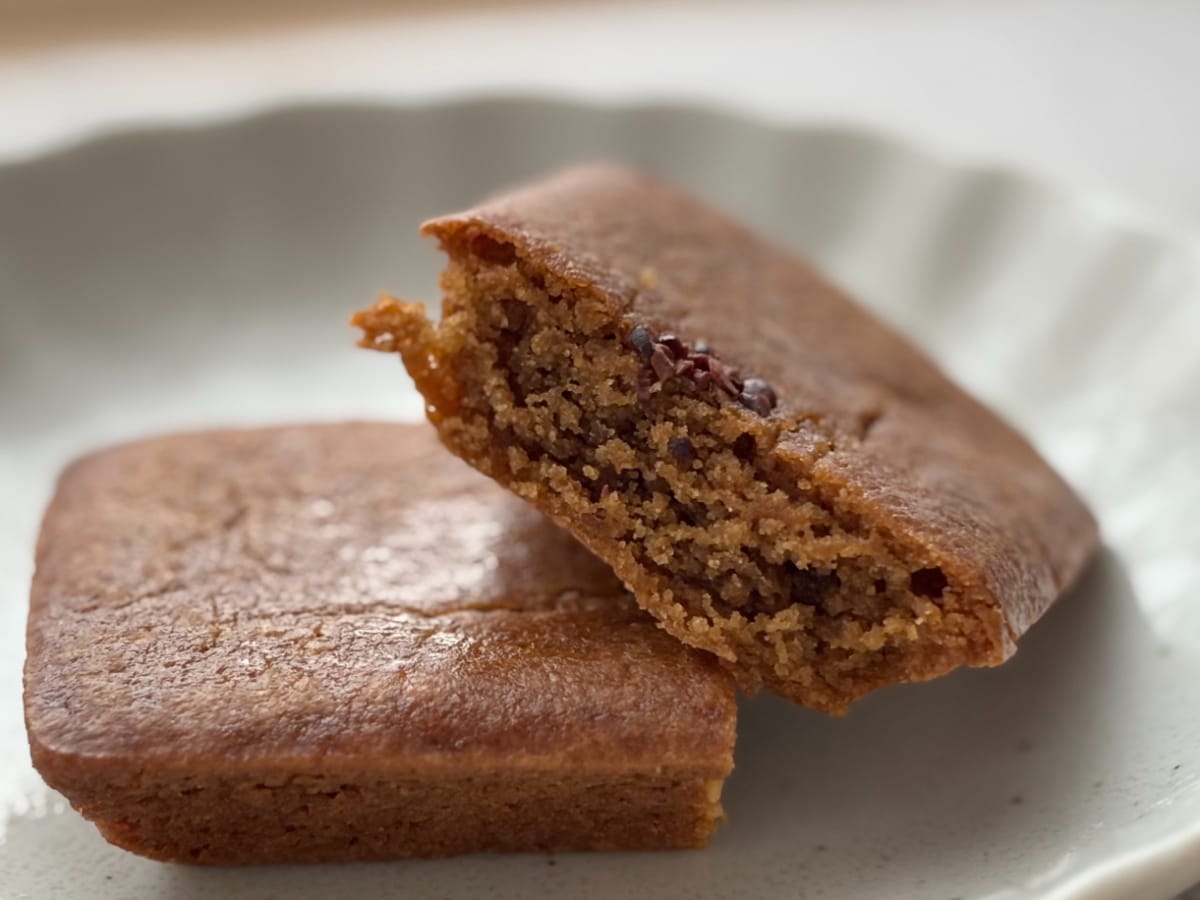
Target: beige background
{"points": [[29, 26]]}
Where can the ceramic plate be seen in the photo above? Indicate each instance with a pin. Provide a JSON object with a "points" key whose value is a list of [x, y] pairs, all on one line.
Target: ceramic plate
{"points": [[183, 278]]}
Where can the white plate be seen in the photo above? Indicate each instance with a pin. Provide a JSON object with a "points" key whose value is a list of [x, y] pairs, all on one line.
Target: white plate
{"points": [[173, 279]]}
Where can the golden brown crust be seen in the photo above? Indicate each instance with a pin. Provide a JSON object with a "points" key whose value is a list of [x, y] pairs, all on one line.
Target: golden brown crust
{"points": [[348, 604], [866, 427]]}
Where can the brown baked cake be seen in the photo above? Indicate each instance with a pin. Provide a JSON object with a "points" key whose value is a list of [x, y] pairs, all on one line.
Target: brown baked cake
{"points": [[339, 642], [778, 476]]}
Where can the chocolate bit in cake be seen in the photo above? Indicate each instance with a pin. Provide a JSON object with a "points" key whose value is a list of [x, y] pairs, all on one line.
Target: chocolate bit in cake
{"points": [[755, 402], [723, 377], [758, 396], [661, 362], [642, 341], [759, 387], [677, 347], [682, 449], [670, 356]]}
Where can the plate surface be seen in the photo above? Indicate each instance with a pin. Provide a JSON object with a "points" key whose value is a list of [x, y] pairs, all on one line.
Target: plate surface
{"points": [[160, 280]]}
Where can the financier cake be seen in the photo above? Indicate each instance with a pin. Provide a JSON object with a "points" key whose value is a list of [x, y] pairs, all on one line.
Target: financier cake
{"points": [[779, 477], [339, 642]]}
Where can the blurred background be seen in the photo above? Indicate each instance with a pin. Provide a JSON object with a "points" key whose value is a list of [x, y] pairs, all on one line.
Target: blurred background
{"points": [[1098, 93]]}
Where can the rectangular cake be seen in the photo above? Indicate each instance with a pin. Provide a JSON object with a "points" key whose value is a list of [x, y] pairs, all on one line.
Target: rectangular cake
{"points": [[777, 475], [339, 642]]}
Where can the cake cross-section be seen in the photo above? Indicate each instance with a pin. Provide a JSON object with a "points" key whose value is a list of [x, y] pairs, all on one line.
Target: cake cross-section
{"points": [[339, 642], [777, 475]]}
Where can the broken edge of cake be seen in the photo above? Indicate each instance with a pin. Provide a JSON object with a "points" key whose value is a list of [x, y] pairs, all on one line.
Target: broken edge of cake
{"points": [[779, 477]]}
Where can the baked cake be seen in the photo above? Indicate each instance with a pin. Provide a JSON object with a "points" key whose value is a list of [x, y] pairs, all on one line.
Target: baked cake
{"points": [[777, 475], [338, 642]]}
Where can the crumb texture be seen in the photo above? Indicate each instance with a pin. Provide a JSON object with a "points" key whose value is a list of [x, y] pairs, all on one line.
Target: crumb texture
{"points": [[779, 478]]}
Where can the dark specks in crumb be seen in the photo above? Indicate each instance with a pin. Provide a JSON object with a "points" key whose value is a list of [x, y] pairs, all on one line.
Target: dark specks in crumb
{"points": [[723, 377], [677, 347], [682, 449], [661, 363], [1024, 745], [642, 341], [669, 356], [758, 396], [1016, 799], [759, 388], [551, 861]]}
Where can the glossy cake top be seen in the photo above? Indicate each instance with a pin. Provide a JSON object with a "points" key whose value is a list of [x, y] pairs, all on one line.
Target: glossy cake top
{"points": [[348, 590]]}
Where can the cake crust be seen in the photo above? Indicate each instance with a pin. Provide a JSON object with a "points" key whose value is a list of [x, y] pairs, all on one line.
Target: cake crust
{"points": [[338, 642], [815, 502]]}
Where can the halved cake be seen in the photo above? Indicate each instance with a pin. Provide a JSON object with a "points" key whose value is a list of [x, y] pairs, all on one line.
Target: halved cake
{"points": [[779, 477]]}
